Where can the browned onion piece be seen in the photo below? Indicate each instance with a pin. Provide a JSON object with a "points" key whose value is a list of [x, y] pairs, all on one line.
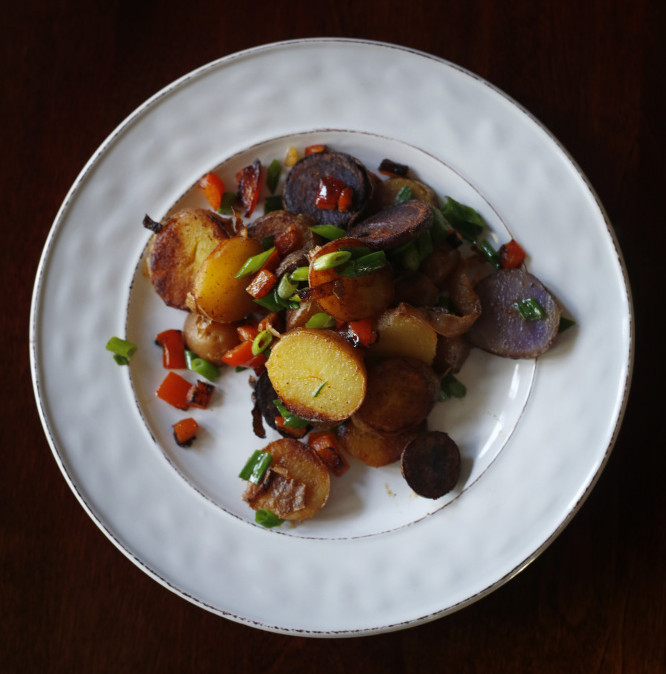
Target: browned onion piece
{"points": [[276, 222], [501, 329], [430, 464], [394, 225], [451, 354]]}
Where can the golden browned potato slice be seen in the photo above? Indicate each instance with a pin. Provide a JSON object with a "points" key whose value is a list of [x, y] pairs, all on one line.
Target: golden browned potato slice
{"points": [[352, 298], [375, 449], [179, 248], [404, 332], [401, 393], [317, 374], [388, 190], [296, 485], [208, 339], [216, 293]]}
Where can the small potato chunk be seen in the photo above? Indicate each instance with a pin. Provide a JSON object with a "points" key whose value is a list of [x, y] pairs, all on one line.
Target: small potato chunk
{"points": [[208, 339], [178, 250], [317, 374], [400, 395], [375, 449], [431, 464], [296, 485], [216, 293], [353, 298], [404, 332]]}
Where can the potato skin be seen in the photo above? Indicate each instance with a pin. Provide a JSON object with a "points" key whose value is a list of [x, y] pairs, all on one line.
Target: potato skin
{"points": [[178, 250], [361, 297], [297, 483], [208, 339], [216, 293], [305, 358]]}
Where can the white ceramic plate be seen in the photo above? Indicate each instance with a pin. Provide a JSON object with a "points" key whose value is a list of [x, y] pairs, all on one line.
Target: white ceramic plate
{"points": [[534, 435]]}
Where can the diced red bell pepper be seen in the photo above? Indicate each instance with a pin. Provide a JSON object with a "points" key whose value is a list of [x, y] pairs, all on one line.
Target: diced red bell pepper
{"points": [[173, 349], [328, 193], [325, 445], [293, 432], [213, 189], [239, 355], [511, 255], [345, 198], [175, 390], [200, 395], [361, 332], [315, 149], [257, 363], [185, 431], [271, 320], [287, 241], [262, 284], [247, 332], [249, 180]]}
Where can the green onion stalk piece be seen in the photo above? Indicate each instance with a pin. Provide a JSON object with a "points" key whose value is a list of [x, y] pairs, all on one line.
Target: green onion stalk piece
{"points": [[450, 387], [331, 260], [286, 287], [330, 232], [299, 274], [320, 320], [530, 309], [201, 366], [489, 253], [404, 194], [290, 420], [465, 219], [227, 203], [256, 466], [122, 350], [565, 324], [254, 263], [273, 175], [267, 519], [273, 203], [261, 342], [273, 302], [365, 264]]}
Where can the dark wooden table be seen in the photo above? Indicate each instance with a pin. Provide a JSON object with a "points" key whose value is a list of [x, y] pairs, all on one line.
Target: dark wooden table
{"points": [[593, 73]]}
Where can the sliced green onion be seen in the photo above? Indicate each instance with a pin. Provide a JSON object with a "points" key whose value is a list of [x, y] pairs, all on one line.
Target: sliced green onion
{"points": [[317, 391], [357, 251], [365, 264], [299, 274], [440, 228], [122, 350], [565, 324], [463, 218], [273, 302], [256, 466], [227, 203], [254, 263], [286, 287], [267, 519], [261, 341], [404, 194], [320, 320], [330, 232], [331, 260], [201, 366], [424, 245], [530, 309], [273, 203], [273, 175], [409, 258], [489, 253], [239, 368], [290, 420], [450, 387]]}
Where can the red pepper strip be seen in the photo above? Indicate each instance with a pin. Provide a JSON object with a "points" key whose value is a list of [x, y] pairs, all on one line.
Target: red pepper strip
{"points": [[345, 198], [325, 445], [287, 241], [247, 332], [272, 261], [257, 363], [248, 186], [361, 332], [314, 149], [213, 189], [239, 355], [200, 395], [175, 390], [328, 193], [294, 432], [269, 321], [262, 284], [511, 255], [173, 349], [185, 431]]}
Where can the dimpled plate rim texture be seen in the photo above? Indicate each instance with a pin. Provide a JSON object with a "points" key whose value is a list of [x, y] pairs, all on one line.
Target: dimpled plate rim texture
{"points": [[320, 587]]}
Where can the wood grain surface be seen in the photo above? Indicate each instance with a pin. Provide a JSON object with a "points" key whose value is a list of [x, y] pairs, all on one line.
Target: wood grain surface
{"points": [[593, 73]]}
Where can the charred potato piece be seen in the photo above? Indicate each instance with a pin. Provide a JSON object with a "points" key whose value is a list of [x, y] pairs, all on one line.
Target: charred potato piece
{"points": [[430, 464], [179, 248], [400, 394], [317, 374], [417, 289], [404, 332], [208, 339], [296, 485], [216, 293], [302, 186], [388, 191], [374, 449], [451, 354], [297, 318], [351, 298]]}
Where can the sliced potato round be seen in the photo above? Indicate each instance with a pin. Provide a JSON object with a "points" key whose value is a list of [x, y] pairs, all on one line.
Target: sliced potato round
{"points": [[352, 298], [317, 374], [401, 393], [296, 485], [404, 332], [216, 293], [374, 449], [208, 339]]}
